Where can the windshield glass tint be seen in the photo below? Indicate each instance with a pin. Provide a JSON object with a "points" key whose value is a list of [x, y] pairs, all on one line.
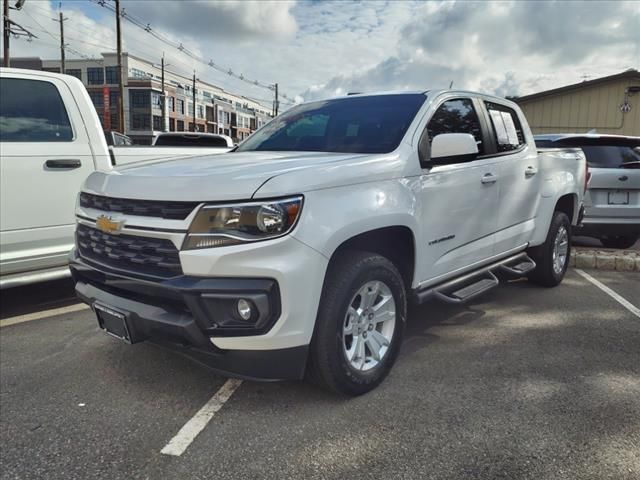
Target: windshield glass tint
{"points": [[374, 124], [606, 156]]}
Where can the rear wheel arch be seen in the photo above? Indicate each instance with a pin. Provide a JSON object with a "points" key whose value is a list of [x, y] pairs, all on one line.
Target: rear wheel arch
{"points": [[568, 204]]}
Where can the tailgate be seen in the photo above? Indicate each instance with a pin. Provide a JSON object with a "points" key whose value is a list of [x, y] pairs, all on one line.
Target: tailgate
{"points": [[613, 192]]}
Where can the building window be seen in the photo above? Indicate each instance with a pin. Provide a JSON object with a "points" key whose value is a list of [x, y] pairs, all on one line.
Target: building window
{"points": [[34, 112], [156, 100], [139, 98], [140, 121], [180, 106], [180, 126], [114, 98], [97, 99], [115, 122], [95, 75], [51, 69], [190, 104], [172, 104], [137, 73], [74, 72], [172, 124], [111, 74], [157, 122], [200, 111]]}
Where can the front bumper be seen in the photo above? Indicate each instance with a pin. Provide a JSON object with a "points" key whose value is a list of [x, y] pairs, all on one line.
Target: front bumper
{"points": [[185, 313]]}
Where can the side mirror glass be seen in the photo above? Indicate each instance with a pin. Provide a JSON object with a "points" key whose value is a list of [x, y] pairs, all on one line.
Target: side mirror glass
{"points": [[449, 148]]}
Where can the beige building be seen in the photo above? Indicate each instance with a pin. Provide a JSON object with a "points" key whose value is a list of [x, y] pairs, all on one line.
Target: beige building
{"points": [[607, 105]]}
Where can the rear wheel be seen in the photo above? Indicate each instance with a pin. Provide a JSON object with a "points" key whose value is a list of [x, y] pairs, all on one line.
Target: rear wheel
{"points": [[360, 323], [620, 241], [552, 257]]}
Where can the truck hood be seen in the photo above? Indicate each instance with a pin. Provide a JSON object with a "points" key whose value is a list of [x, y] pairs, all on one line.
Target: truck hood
{"points": [[231, 176]]}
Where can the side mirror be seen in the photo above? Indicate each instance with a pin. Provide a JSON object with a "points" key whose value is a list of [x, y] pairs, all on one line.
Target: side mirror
{"points": [[449, 148]]}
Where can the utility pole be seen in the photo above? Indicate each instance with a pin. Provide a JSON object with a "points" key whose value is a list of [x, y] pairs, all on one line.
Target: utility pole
{"points": [[195, 129], [120, 84], [276, 104], [164, 100], [6, 32], [63, 68]]}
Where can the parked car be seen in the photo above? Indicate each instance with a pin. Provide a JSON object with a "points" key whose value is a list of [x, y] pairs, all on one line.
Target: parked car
{"points": [[51, 140], [612, 203], [192, 139], [299, 251]]}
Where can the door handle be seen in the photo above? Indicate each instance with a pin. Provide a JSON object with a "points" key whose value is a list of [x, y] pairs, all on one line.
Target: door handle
{"points": [[489, 178], [66, 164], [530, 171]]}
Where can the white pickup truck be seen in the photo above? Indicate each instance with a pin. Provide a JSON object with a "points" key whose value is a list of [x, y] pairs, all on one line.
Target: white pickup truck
{"points": [[297, 252], [50, 141]]}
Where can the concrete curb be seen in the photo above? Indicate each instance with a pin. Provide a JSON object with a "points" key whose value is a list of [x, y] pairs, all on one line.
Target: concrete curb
{"points": [[605, 259]]}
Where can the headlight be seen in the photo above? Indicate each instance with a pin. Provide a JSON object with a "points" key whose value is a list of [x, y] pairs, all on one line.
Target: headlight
{"points": [[233, 224]]}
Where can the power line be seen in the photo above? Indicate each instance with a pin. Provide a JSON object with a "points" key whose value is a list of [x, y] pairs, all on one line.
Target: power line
{"points": [[179, 46]]}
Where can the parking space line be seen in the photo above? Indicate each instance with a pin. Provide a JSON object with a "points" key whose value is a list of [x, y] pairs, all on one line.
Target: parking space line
{"points": [[187, 434], [618, 298], [43, 314]]}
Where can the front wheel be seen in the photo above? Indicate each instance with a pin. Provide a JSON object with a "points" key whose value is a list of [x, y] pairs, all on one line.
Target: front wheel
{"points": [[552, 257], [621, 241], [360, 323]]}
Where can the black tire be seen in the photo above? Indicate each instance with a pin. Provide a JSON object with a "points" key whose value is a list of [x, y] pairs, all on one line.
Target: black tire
{"points": [[621, 241], [328, 364], [545, 274]]}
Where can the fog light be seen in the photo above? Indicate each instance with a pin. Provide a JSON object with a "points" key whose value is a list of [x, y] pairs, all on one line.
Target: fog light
{"points": [[244, 309]]}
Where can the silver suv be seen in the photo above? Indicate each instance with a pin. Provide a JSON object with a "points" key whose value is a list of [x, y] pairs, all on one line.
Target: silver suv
{"points": [[612, 203]]}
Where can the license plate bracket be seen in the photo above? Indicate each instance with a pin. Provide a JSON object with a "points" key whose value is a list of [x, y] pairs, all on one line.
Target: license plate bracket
{"points": [[618, 197], [113, 322]]}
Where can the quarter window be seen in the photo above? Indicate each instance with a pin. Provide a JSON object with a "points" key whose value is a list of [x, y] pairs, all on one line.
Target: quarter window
{"points": [[32, 111], [506, 126], [456, 116]]}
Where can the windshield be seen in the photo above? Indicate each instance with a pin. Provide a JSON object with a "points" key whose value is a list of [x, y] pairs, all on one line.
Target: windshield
{"points": [[367, 124]]}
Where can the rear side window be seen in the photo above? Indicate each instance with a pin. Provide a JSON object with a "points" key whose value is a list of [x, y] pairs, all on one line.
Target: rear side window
{"points": [[32, 111], [611, 156], [456, 116], [506, 126]]}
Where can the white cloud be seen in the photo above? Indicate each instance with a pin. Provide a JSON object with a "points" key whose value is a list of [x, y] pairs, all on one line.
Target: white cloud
{"points": [[317, 49]]}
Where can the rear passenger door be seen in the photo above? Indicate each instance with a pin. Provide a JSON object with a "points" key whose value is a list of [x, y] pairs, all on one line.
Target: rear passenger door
{"points": [[45, 157], [459, 199], [520, 180]]}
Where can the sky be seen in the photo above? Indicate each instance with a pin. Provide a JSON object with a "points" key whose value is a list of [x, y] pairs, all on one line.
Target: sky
{"points": [[318, 49]]}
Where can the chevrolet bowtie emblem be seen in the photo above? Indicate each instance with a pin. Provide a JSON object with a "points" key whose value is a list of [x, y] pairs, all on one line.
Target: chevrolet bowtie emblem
{"points": [[108, 225]]}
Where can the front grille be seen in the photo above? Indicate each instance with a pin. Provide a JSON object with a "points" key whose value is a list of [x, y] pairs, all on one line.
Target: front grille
{"points": [[145, 208], [139, 255]]}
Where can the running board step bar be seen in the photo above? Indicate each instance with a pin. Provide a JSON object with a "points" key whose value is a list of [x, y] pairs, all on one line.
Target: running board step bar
{"points": [[471, 290], [475, 283], [519, 268]]}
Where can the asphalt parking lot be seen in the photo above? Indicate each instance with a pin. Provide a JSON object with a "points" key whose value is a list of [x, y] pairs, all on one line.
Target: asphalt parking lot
{"points": [[525, 383]]}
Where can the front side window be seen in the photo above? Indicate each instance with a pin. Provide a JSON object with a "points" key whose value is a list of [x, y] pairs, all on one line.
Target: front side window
{"points": [[506, 127], [456, 116], [32, 111], [355, 124], [95, 75]]}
